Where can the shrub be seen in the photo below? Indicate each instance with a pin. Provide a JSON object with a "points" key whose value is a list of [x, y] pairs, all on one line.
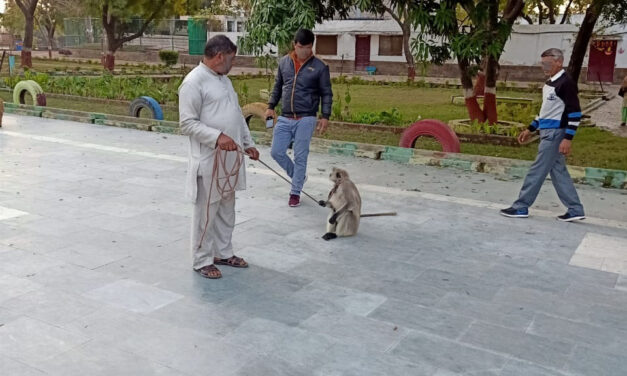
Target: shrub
{"points": [[169, 58]]}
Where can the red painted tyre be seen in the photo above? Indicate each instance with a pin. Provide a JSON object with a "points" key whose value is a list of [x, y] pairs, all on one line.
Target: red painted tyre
{"points": [[434, 128]]}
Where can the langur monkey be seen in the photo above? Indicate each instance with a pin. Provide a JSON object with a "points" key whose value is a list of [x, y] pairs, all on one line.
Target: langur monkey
{"points": [[345, 203]]}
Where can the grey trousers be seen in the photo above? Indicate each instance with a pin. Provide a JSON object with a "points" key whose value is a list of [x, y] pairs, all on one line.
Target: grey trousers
{"points": [[217, 240], [550, 161]]}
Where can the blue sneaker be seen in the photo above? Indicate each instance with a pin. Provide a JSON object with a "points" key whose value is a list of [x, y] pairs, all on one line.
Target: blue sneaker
{"points": [[515, 213], [569, 217]]}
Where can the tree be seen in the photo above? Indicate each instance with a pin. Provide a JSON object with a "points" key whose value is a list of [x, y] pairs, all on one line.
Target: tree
{"points": [[28, 8], [472, 31], [126, 20], [13, 18], [274, 22], [50, 15], [612, 12]]}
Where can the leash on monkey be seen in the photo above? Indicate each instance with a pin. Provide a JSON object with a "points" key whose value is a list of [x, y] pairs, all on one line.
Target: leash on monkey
{"points": [[226, 179]]}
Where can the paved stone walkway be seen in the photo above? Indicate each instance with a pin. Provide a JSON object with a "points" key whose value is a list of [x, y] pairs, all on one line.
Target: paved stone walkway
{"points": [[608, 116], [95, 274]]}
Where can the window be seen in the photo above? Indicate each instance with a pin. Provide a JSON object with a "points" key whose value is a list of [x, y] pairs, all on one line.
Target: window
{"points": [[326, 44], [240, 26], [391, 45], [230, 26]]}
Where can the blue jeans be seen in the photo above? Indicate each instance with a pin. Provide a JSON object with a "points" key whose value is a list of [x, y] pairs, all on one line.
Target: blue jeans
{"points": [[300, 131], [550, 161]]}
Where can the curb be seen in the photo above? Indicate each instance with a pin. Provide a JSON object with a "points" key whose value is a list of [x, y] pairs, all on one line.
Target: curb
{"points": [[504, 167]]}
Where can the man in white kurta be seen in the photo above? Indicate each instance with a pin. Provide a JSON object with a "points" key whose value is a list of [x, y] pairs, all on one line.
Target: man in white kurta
{"points": [[210, 115]]}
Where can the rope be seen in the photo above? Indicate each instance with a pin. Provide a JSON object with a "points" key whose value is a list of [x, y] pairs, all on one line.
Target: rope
{"points": [[226, 187]]}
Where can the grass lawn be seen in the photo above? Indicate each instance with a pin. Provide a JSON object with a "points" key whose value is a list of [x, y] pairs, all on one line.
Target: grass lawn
{"points": [[86, 65], [592, 147]]}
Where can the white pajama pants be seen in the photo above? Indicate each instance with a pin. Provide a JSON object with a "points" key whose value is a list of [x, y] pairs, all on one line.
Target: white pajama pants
{"points": [[217, 240]]}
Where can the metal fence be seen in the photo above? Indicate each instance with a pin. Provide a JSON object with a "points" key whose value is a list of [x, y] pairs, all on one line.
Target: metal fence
{"points": [[160, 34]]}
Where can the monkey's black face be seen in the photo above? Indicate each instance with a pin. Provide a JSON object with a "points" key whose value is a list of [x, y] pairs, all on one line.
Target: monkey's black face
{"points": [[337, 174]]}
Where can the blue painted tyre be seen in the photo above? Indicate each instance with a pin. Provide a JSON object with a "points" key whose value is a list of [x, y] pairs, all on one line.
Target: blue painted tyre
{"points": [[148, 103]]}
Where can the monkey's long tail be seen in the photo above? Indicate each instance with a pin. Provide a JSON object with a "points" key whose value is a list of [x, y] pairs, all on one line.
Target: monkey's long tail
{"points": [[390, 214]]}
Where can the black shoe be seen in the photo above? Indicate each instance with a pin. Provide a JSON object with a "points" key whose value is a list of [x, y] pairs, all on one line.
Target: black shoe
{"points": [[569, 217], [515, 213]]}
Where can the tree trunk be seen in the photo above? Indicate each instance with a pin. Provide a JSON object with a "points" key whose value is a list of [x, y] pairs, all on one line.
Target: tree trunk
{"points": [[491, 67], [550, 11], [409, 57], [109, 61], [51, 30], [566, 10], [27, 46], [470, 98], [540, 10], [583, 40], [489, 96]]}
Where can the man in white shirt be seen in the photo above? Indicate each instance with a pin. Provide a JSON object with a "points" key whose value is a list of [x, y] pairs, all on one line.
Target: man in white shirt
{"points": [[209, 113]]}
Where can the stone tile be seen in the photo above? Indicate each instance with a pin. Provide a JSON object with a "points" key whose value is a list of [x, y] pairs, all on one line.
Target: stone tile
{"points": [[132, 295], [543, 351], [72, 278], [606, 316], [452, 282], [446, 354], [272, 365], [96, 358], [519, 368], [9, 366], [281, 307], [271, 258], [28, 340], [52, 226], [25, 263], [11, 287], [436, 321], [295, 345], [352, 360], [506, 315], [37, 243], [188, 351], [371, 334], [87, 256], [577, 274], [597, 337], [609, 251], [543, 301], [202, 316], [370, 282], [341, 299], [8, 213], [588, 361], [595, 294], [51, 306]]}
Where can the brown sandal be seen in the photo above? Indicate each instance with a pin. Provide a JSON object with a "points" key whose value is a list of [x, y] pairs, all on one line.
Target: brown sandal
{"points": [[210, 271], [234, 261]]}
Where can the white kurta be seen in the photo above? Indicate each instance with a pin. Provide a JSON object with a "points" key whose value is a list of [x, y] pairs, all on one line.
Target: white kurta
{"points": [[208, 106]]}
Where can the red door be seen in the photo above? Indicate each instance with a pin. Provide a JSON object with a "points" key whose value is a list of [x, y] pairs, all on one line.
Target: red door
{"points": [[601, 60], [362, 52]]}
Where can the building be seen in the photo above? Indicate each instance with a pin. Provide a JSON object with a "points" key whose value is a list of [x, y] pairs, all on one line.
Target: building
{"points": [[351, 45]]}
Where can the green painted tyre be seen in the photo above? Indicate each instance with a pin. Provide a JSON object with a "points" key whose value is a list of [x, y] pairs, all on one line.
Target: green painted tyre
{"points": [[31, 87]]}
